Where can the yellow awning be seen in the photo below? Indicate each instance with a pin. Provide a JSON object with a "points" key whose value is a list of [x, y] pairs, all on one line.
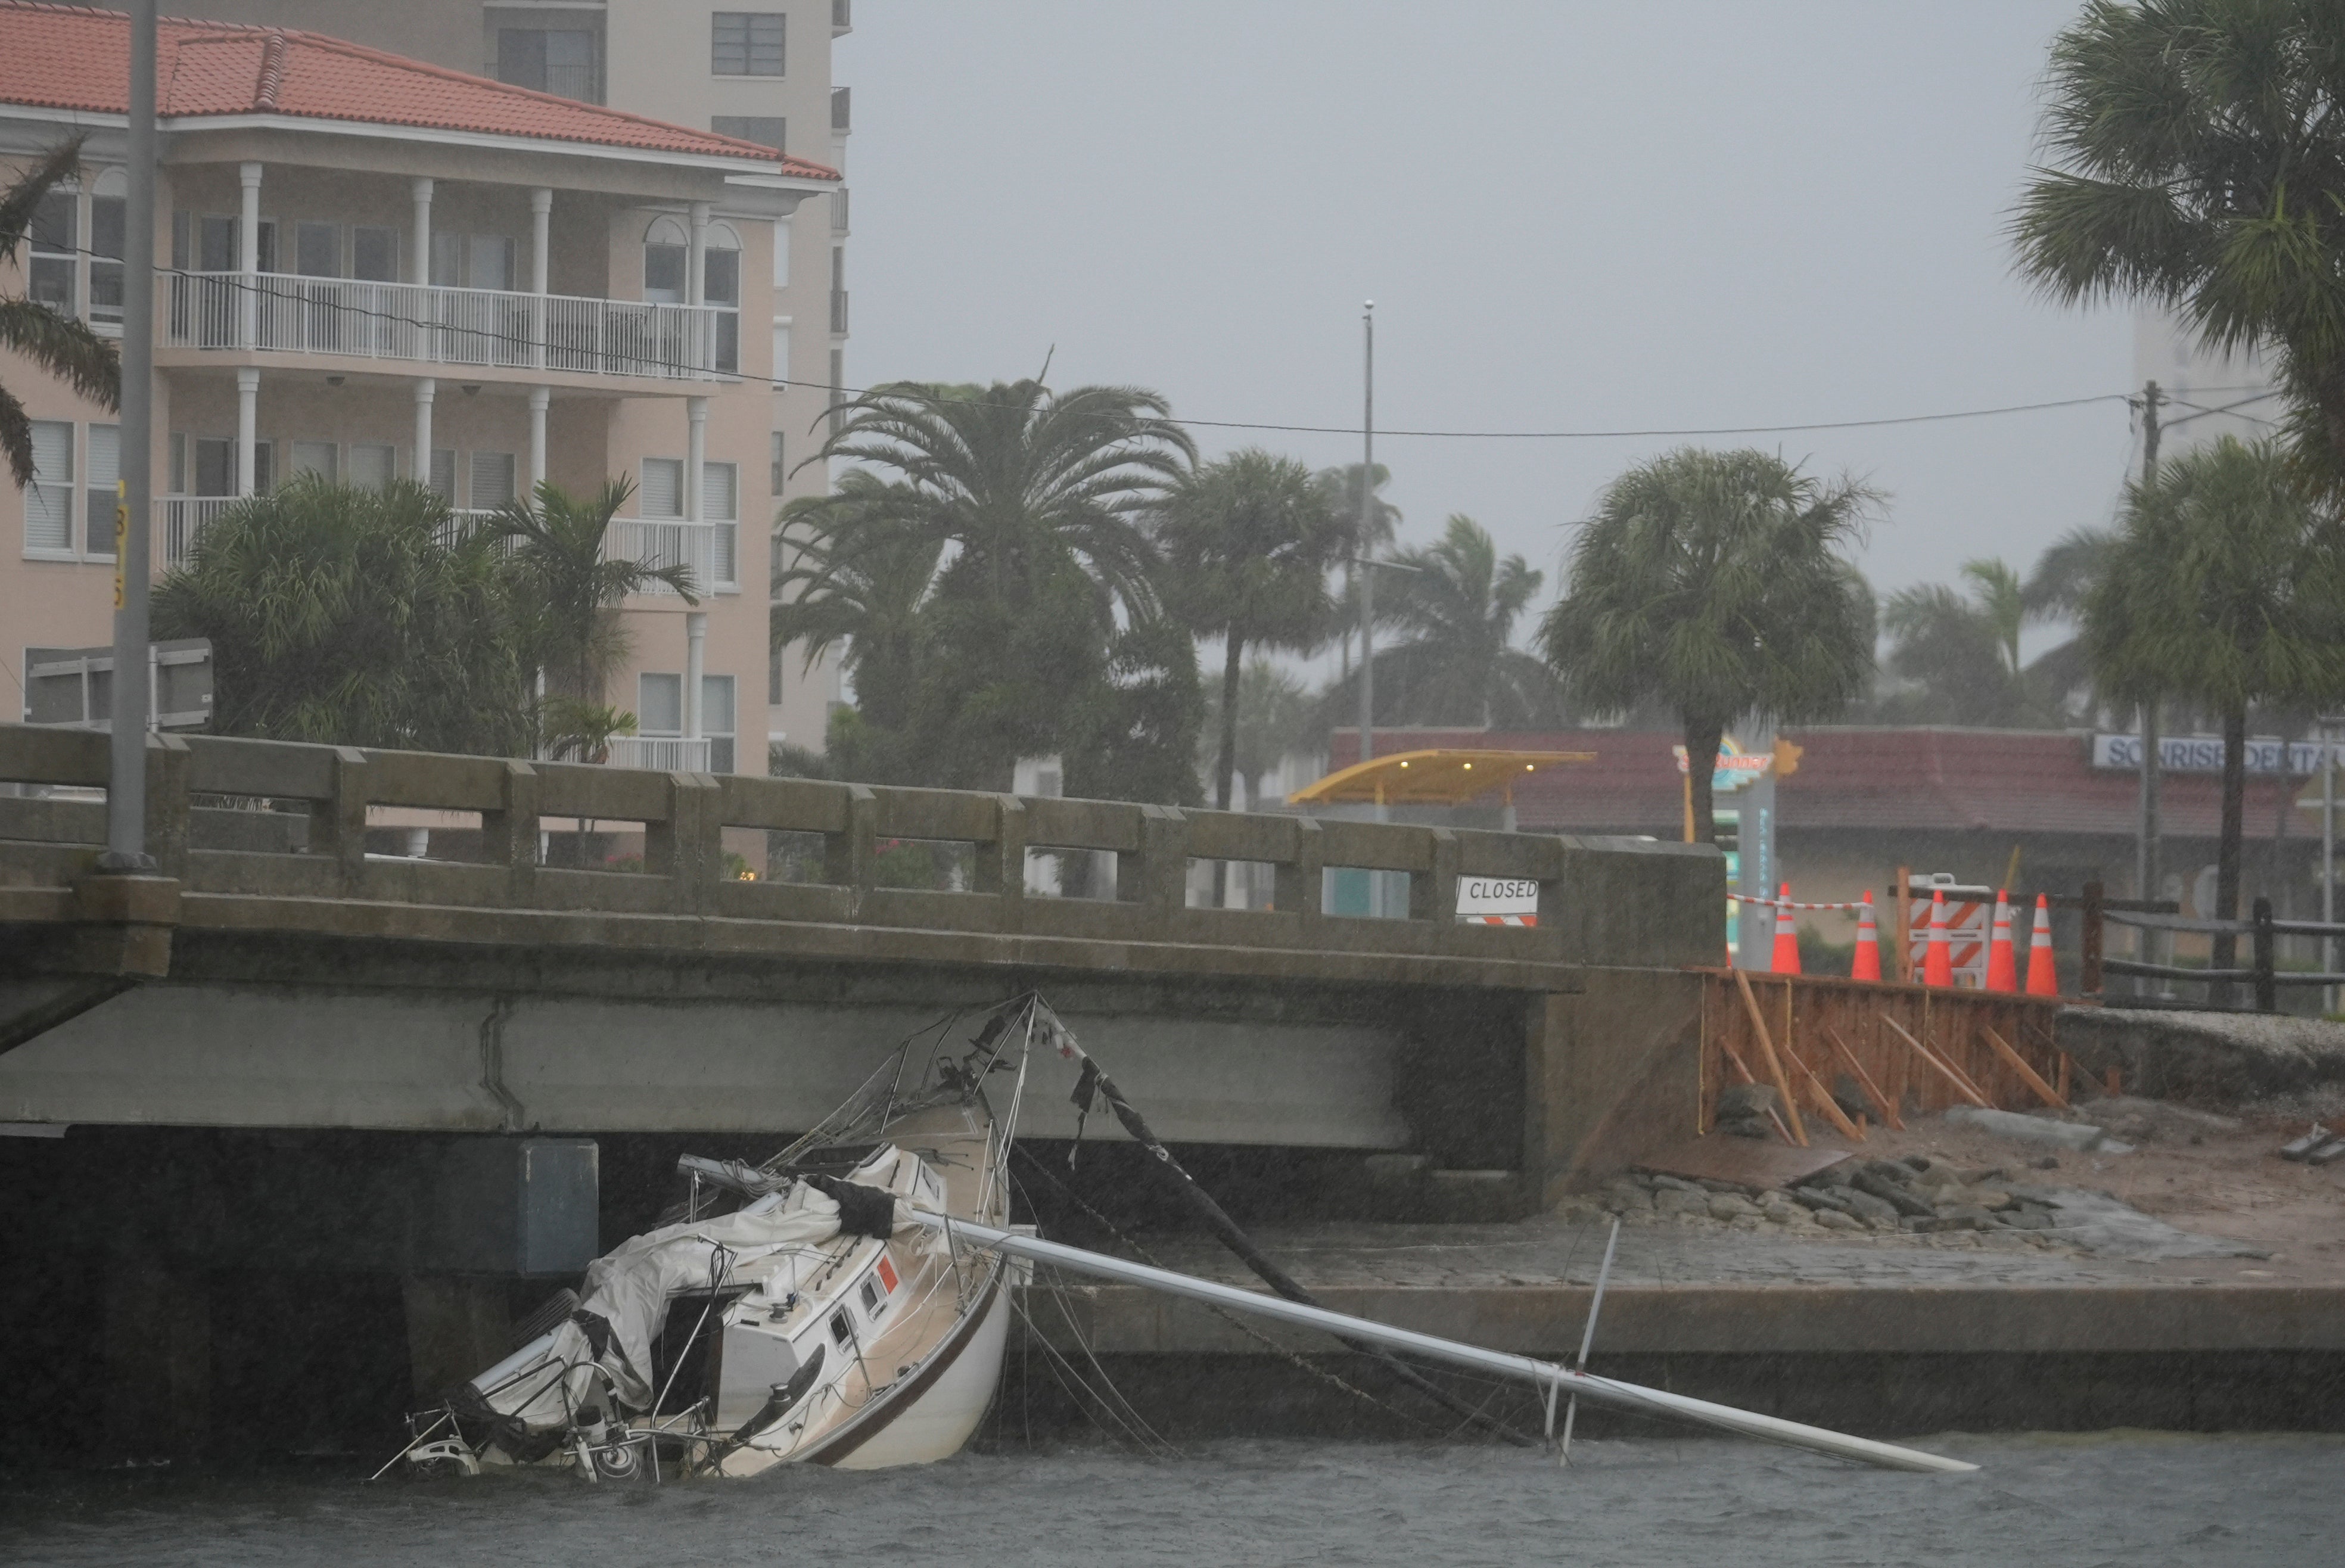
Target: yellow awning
{"points": [[1431, 778]]}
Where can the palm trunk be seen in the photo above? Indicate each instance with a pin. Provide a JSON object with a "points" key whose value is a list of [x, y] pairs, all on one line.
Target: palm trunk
{"points": [[1227, 767], [2226, 847], [1701, 740]]}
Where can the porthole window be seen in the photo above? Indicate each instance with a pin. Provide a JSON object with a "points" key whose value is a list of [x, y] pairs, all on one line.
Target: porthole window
{"points": [[871, 1299], [840, 1329]]}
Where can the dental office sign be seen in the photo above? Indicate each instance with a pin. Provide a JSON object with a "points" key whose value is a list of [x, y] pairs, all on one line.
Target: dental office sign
{"points": [[2203, 754]]}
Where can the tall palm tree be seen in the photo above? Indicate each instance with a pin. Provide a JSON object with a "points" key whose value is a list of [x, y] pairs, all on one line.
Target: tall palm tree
{"points": [[856, 579], [1716, 583], [1367, 533], [572, 588], [1024, 482], [61, 345], [2055, 590], [1456, 607], [1247, 542], [1273, 711], [1963, 648], [2199, 154], [2225, 587], [355, 616]]}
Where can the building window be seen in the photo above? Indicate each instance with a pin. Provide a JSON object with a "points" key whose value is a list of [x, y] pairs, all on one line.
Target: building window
{"points": [[313, 458], [101, 467], [108, 217], [374, 253], [781, 469], [765, 130], [720, 503], [747, 43], [373, 466], [49, 499], [781, 359], [721, 285], [558, 60], [493, 481], [773, 677], [840, 116], [56, 242], [659, 704], [716, 720], [661, 493], [837, 391], [443, 473], [782, 253], [318, 249], [493, 260]]}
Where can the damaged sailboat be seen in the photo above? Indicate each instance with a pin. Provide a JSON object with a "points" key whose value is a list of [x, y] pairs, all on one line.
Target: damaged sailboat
{"points": [[795, 1311]]}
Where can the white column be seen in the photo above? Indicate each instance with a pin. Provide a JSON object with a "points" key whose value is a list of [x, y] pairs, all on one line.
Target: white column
{"points": [[541, 223], [696, 263], [425, 388], [248, 245], [539, 397], [696, 458], [248, 430], [696, 660], [422, 259]]}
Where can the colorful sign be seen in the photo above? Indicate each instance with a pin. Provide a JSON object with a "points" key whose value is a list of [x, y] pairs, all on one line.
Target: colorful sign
{"points": [[2203, 754], [1736, 767]]}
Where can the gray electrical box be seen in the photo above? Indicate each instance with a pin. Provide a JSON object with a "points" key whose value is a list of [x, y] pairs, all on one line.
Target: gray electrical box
{"points": [[75, 686]]}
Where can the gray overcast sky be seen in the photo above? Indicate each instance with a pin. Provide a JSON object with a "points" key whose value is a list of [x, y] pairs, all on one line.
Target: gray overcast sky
{"points": [[1570, 216]]}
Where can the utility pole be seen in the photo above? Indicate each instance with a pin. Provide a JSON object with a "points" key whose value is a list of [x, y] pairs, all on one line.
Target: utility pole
{"points": [[1367, 514], [2149, 877], [134, 512]]}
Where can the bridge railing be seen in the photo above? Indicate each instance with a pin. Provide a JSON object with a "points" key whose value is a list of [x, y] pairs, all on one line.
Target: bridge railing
{"points": [[282, 819]]}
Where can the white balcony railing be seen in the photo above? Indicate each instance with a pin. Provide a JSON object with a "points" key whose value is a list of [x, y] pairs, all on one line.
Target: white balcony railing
{"points": [[279, 313], [661, 754], [180, 520], [708, 548]]}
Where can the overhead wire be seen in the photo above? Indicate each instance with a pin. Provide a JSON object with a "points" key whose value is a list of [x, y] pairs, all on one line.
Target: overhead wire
{"points": [[292, 296]]}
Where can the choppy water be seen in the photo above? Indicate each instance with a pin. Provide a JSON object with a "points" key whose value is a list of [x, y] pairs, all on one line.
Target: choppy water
{"points": [[2135, 1499]]}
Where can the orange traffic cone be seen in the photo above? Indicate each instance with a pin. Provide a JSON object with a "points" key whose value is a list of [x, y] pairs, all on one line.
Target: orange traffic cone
{"points": [[2002, 964], [1938, 959], [1868, 944], [2043, 976], [1787, 940]]}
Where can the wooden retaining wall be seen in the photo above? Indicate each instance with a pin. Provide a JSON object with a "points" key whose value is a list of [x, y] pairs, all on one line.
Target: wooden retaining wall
{"points": [[1821, 1024]]}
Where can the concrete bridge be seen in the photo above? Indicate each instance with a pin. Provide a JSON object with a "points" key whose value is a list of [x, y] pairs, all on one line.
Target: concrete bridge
{"points": [[457, 1034], [286, 977]]}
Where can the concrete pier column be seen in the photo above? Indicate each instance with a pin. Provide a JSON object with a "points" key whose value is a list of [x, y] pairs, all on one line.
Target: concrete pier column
{"points": [[248, 430], [158, 1359], [421, 190], [540, 400], [426, 388], [248, 255], [458, 1326]]}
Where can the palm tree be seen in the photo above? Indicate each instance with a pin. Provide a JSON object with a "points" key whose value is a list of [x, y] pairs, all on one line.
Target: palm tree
{"points": [[1274, 710], [2225, 587], [358, 617], [859, 578], [2055, 590], [1457, 604], [1024, 482], [1365, 533], [2200, 160], [1247, 542], [1964, 649], [64, 347], [572, 589], [1716, 583]]}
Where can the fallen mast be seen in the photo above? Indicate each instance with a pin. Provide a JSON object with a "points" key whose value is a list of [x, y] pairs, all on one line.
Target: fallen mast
{"points": [[1549, 1376]]}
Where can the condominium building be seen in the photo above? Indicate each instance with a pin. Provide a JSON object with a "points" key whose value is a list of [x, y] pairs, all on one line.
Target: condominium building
{"points": [[372, 267], [763, 75], [2203, 393]]}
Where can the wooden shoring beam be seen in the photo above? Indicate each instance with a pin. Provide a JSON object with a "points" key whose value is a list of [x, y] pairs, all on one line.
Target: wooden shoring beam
{"points": [[1961, 1085], [1774, 1063], [1882, 1103], [1825, 1103], [2027, 1074]]}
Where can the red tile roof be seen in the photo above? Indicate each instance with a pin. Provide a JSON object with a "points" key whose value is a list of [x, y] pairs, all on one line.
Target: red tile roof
{"points": [[71, 57], [1887, 780]]}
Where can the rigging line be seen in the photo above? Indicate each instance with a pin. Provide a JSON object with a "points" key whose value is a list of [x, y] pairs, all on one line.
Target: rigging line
{"points": [[483, 334]]}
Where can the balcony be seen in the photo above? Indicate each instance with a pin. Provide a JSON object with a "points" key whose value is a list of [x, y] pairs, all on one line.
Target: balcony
{"points": [[660, 753], [838, 312], [427, 325], [710, 549], [842, 18], [180, 520]]}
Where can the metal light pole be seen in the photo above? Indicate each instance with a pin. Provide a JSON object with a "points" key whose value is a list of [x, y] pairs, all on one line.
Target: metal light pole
{"points": [[2328, 853], [126, 787], [1367, 513]]}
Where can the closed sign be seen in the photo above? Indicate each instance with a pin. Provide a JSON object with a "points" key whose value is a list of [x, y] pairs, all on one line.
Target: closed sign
{"points": [[1497, 901]]}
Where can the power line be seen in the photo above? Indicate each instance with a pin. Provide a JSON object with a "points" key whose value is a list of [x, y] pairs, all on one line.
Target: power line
{"points": [[294, 296]]}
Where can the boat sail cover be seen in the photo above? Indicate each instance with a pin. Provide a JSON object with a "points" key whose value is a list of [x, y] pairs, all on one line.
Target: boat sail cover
{"points": [[627, 1292]]}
